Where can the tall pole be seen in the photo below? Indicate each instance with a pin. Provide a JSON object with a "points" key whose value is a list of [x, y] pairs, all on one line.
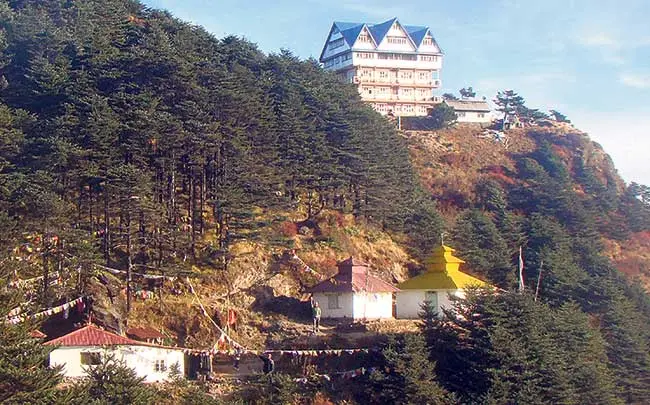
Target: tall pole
{"points": [[539, 279]]}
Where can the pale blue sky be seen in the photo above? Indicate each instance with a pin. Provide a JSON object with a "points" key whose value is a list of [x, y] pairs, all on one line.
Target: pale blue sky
{"points": [[589, 59]]}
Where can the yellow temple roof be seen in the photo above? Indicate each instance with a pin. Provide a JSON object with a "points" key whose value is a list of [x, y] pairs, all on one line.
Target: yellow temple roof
{"points": [[430, 280], [442, 273]]}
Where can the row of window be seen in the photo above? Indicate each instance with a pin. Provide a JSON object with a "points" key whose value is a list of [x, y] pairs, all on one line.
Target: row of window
{"points": [[463, 113], [404, 91], [397, 56], [337, 43], [422, 76], [338, 60], [400, 108], [397, 40], [95, 358]]}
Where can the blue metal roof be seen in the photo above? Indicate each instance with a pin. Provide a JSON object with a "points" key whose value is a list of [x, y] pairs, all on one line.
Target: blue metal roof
{"points": [[351, 30], [380, 30], [351, 34], [417, 33]]}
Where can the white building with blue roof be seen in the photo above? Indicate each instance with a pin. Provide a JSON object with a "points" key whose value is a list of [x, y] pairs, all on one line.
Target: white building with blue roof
{"points": [[396, 67]]}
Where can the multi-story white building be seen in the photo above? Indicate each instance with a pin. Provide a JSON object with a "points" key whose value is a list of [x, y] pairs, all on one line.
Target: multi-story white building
{"points": [[396, 67]]}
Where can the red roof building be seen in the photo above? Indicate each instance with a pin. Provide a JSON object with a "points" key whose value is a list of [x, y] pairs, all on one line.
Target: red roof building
{"points": [[145, 334], [87, 346], [354, 293], [91, 335]]}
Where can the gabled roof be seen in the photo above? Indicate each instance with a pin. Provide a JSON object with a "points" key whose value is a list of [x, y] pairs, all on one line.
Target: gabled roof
{"points": [[380, 30], [351, 30], [353, 276], [144, 333], [417, 33], [91, 335], [352, 33], [353, 282], [468, 105]]}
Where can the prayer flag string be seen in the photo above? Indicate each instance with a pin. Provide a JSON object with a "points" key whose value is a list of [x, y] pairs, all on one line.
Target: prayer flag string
{"points": [[48, 312]]}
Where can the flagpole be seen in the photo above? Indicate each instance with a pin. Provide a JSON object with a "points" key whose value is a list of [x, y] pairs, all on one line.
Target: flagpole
{"points": [[521, 271], [539, 279]]}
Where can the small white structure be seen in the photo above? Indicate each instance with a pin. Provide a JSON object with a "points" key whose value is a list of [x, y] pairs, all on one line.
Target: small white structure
{"points": [[442, 279], [473, 111], [85, 347], [355, 294]]}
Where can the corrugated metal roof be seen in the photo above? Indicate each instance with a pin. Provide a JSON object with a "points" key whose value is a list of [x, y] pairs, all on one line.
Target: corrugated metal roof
{"points": [[353, 282], [144, 333], [91, 335], [357, 280], [468, 105], [417, 33]]}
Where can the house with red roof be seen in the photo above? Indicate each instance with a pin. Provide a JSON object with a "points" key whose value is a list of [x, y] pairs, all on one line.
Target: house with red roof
{"points": [[355, 294], [85, 347]]}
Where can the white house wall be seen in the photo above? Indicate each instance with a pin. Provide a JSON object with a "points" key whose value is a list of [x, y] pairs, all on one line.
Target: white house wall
{"points": [[409, 302], [140, 358], [345, 305], [474, 116], [373, 305]]}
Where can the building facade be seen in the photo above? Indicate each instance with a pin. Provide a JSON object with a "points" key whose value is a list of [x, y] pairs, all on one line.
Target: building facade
{"points": [[85, 347], [471, 111], [395, 67], [354, 294]]}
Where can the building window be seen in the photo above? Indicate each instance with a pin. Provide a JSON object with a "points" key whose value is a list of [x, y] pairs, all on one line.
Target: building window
{"points": [[427, 41], [396, 56], [431, 299], [481, 115], [91, 358], [383, 75], [435, 75], [333, 301], [397, 40], [407, 108], [460, 113], [337, 44], [364, 38], [159, 366], [406, 74]]}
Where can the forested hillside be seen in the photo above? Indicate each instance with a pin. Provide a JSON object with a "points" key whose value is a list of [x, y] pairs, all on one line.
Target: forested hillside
{"points": [[133, 141]]}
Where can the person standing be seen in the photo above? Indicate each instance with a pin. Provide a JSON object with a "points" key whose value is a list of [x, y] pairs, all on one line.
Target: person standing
{"points": [[237, 358], [316, 313], [269, 366]]}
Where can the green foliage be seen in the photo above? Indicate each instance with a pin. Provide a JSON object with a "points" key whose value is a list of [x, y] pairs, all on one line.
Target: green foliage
{"points": [[508, 349], [509, 102], [559, 117], [408, 377], [467, 92], [24, 376], [481, 244], [112, 382], [441, 116]]}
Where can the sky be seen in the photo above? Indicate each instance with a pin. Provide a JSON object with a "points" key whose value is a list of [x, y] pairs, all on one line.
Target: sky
{"points": [[589, 59]]}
